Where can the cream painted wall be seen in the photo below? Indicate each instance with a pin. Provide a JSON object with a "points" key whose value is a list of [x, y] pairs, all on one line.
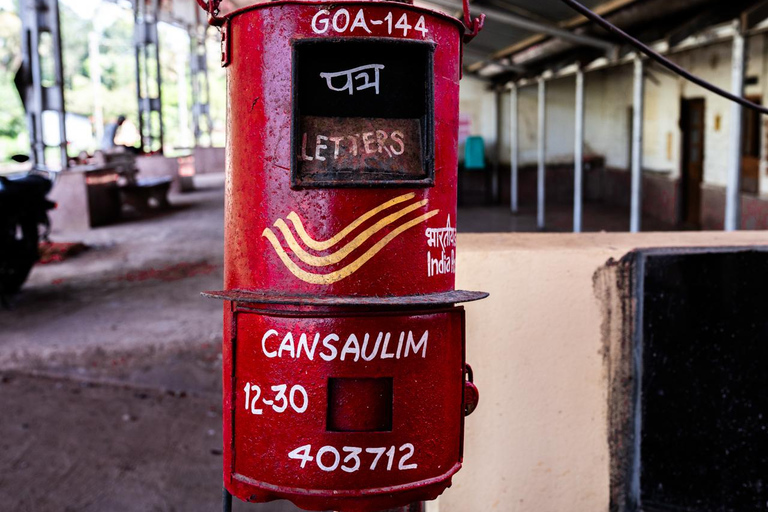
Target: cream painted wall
{"points": [[607, 102], [529, 125], [712, 63], [661, 133], [479, 103], [608, 98], [763, 77], [538, 441], [560, 122]]}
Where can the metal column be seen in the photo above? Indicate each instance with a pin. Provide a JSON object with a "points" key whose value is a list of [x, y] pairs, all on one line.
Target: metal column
{"points": [[542, 154], [514, 148], [578, 154], [201, 110], [497, 94], [40, 91], [637, 148], [148, 78], [733, 184]]}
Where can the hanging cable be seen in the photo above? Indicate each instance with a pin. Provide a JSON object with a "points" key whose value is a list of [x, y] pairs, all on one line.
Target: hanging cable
{"points": [[653, 54]]}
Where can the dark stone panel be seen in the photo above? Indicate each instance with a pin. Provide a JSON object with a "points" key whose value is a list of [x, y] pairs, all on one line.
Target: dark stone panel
{"points": [[754, 209], [712, 208], [617, 186], [704, 400], [754, 212], [660, 197]]}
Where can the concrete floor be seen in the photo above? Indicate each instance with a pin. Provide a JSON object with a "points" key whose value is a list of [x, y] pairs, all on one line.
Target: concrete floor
{"points": [[110, 365], [110, 370]]}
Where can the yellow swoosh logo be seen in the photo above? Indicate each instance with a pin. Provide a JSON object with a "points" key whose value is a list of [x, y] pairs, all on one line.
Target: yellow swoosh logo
{"points": [[322, 261], [326, 244], [332, 277]]}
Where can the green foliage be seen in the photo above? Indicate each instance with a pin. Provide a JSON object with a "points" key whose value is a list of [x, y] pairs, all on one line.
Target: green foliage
{"points": [[74, 43], [117, 88], [12, 120]]}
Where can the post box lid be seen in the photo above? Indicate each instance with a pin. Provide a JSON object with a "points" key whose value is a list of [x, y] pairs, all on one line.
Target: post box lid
{"points": [[431, 299]]}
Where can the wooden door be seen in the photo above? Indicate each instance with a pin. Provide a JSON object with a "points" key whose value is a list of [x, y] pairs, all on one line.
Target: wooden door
{"points": [[692, 126], [750, 148]]}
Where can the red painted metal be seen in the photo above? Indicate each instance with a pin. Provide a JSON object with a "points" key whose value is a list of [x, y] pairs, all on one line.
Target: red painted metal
{"points": [[345, 385], [365, 463], [259, 192]]}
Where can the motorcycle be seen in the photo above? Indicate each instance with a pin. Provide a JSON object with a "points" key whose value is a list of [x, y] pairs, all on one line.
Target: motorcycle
{"points": [[24, 224]]}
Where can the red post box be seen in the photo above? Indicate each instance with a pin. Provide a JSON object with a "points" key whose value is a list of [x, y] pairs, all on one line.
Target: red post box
{"points": [[345, 383]]}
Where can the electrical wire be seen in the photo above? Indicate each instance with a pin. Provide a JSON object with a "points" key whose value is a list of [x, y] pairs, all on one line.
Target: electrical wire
{"points": [[653, 54]]}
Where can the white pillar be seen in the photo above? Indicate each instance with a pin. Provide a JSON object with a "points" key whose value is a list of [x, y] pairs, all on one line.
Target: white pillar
{"points": [[513, 144], [637, 148], [578, 154], [542, 153], [733, 184], [182, 63], [495, 178], [94, 61]]}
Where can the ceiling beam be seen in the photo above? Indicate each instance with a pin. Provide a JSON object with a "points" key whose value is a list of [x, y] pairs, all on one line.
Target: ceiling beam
{"points": [[602, 9], [754, 15], [511, 6], [487, 61], [533, 26], [695, 25]]}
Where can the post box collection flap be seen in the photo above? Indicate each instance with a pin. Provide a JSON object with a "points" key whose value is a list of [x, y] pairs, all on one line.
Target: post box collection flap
{"points": [[363, 113]]}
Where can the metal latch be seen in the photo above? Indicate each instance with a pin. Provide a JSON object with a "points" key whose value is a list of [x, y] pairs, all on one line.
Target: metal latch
{"points": [[471, 394]]}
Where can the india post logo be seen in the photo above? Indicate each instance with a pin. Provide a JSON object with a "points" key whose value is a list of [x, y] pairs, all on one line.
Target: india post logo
{"points": [[354, 250]]}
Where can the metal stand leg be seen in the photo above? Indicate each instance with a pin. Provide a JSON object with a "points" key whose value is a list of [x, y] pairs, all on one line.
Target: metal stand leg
{"points": [[226, 500]]}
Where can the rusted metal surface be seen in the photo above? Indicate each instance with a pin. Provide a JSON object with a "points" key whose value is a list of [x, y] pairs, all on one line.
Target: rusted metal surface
{"points": [[345, 385], [344, 152]]}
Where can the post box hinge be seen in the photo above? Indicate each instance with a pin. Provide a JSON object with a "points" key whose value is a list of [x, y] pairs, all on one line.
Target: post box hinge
{"points": [[226, 46]]}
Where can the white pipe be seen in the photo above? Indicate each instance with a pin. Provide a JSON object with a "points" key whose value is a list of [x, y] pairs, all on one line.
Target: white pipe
{"points": [[495, 178], [542, 154], [733, 185], [514, 156], [578, 154], [637, 148]]}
